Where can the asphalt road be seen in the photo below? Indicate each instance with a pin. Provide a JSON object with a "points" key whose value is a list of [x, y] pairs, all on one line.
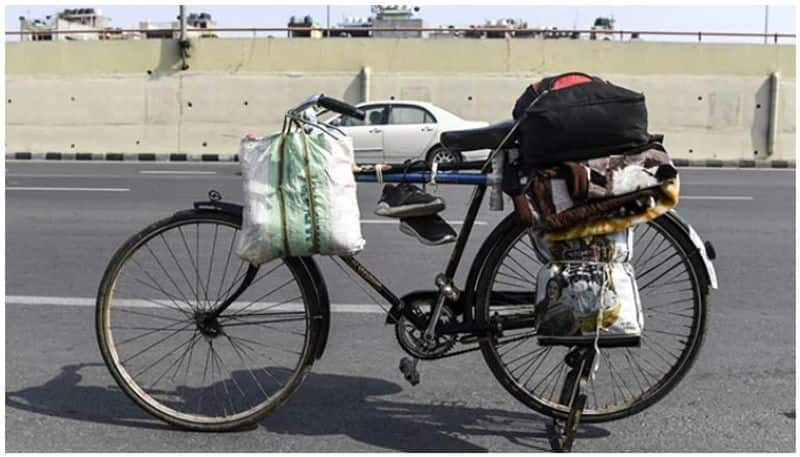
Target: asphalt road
{"points": [[740, 395]]}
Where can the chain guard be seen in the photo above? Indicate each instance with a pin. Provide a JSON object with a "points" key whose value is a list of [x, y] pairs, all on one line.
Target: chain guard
{"points": [[411, 338]]}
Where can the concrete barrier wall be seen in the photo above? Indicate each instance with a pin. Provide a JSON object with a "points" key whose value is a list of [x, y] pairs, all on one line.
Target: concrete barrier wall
{"points": [[712, 100]]}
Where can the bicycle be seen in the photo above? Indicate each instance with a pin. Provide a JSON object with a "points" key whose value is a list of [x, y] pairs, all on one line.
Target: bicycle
{"points": [[241, 338]]}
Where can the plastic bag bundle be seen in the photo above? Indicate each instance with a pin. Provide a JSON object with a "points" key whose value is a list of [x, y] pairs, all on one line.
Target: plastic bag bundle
{"points": [[300, 196], [587, 293]]}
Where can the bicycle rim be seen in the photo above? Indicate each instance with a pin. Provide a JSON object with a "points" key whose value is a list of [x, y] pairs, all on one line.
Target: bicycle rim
{"points": [[188, 370], [627, 379]]}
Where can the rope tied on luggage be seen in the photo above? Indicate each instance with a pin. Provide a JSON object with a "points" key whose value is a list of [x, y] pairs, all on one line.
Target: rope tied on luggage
{"points": [[379, 173]]}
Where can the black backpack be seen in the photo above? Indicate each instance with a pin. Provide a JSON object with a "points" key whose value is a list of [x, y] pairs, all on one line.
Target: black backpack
{"points": [[578, 117]]}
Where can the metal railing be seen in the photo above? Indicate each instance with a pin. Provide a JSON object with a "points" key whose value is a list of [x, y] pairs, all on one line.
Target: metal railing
{"points": [[456, 32]]}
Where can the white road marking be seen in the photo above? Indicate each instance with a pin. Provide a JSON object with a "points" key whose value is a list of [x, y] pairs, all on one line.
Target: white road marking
{"points": [[176, 172], [397, 221], [73, 189], [736, 168], [138, 303], [715, 197]]}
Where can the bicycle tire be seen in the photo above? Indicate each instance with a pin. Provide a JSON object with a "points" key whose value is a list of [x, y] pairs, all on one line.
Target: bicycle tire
{"points": [[164, 409], [489, 347]]}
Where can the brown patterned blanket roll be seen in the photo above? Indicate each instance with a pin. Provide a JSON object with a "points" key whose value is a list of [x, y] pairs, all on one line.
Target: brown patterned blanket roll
{"points": [[600, 196]]}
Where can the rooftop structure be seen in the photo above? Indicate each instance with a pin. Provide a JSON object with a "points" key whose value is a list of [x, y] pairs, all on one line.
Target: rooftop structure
{"points": [[77, 19]]}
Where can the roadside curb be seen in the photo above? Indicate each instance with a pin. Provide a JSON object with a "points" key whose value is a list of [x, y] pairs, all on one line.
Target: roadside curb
{"points": [[152, 157], [121, 157], [741, 163]]}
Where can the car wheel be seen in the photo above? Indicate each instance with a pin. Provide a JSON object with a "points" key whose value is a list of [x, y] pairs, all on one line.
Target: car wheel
{"points": [[442, 155]]}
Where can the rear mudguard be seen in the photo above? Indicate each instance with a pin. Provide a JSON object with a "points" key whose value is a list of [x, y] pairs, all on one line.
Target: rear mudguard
{"points": [[320, 305], [704, 250]]}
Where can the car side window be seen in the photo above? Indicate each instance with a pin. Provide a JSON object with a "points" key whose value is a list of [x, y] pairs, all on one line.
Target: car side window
{"points": [[374, 115], [410, 115]]}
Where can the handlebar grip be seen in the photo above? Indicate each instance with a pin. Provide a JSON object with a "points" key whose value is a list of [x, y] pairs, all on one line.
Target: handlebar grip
{"points": [[340, 107]]}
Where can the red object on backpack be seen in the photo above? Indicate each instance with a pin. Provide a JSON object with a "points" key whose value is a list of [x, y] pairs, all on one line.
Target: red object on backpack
{"points": [[566, 81]]}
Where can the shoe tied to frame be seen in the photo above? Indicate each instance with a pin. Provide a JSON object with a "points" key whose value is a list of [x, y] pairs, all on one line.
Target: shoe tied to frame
{"points": [[430, 230], [407, 200]]}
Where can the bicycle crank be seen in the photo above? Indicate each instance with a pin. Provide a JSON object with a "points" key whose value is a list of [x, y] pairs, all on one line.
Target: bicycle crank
{"points": [[412, 338]]}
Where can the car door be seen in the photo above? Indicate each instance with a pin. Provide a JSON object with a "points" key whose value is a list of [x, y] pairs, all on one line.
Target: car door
{"points": [[409, 132], [367, 135]]}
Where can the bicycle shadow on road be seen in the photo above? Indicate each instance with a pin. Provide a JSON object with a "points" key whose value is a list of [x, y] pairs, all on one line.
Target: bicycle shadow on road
{"points": [[332, 404], [61, 396], [325, 405]]}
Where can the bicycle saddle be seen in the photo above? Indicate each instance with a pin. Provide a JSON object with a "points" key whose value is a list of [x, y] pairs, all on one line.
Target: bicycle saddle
{"points": [[488, 137]]}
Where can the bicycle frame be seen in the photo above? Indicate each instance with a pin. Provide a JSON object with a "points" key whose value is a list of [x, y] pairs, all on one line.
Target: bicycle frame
{"points": [[411, 173], [443, 280]]}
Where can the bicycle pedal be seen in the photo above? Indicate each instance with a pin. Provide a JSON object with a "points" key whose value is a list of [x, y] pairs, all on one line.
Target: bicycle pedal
{"points": [[408, 367]]}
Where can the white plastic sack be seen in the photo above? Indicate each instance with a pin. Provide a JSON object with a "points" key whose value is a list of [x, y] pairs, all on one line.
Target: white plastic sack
{"points": [[299, 196], [587, 292]]}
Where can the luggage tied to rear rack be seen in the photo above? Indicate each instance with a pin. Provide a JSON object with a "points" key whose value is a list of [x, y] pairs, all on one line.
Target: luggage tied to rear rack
{"points": [[300, 196], [586, 172], [583, 215], [586, 165], [600, 196]]}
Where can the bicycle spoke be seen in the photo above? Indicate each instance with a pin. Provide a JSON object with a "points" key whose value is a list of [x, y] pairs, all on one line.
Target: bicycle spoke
{"points": [[188, 344], [197, 260], [558, 377], [211, 260], [157, 286], [526, 255], [665, 292], [189, 350], [535, 365], [139, 313], [159, 360], [194, 266], [239, 275], [545, 377], [630, 365], [225, 270], [178, 264], [166, 273], [516, 262], [156, 343], [249, 370], [669, 303], [150, 332], [245, 346], [289, 281], [257, 343], [523, 283]]}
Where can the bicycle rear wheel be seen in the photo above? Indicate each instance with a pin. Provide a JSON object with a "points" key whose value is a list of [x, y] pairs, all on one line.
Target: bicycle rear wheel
{"points": [[628, 380], [201, 374]]}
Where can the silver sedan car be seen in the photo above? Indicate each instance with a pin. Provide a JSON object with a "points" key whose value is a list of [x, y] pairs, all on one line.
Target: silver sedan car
{"points": [[396, 130]]}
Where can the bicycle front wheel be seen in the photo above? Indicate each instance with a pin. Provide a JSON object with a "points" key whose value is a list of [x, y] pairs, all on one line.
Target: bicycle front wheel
{"points": [[199, 373], [628, 380]]}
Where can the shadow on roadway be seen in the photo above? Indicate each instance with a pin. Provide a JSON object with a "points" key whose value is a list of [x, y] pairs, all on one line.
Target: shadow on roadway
{"points": [[325, 405]]}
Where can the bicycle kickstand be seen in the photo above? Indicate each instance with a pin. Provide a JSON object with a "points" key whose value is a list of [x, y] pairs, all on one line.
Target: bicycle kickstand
{"points": [[580, 362]]}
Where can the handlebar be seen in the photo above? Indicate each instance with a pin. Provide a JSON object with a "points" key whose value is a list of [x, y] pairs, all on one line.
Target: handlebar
{"points": [[329, 103], [341, 107]]}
